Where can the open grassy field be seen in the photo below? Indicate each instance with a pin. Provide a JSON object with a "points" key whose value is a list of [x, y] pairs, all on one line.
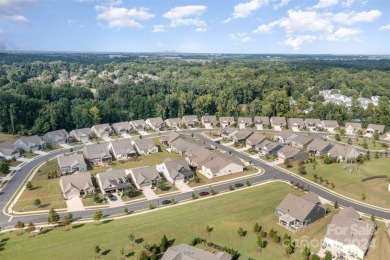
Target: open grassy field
{"points": [[182, 223], [359, 141], [350, 184], [7, 137], [47, 190]]}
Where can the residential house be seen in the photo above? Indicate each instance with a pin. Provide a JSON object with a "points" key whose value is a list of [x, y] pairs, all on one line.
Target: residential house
{"points": [[313, 124], [242, 135], [348, 234], [330, 125], [121, 128], [203, 155], [295, 212], [352, 128], [278, 122], [122, 149], [339, 152], [76, 185], [81, 135], [301, 142], [226, 121], [155, 123], [227, 132], [145, 146], [243, 122], [71, 163], [173, 123], [138, 125], [295, 124], [268, 147], [291, 153], [209, 121], [102, 131], [372, 128], [168, 139], [254, 140], [176, 170], [56, 137], [185, 145], [30, 143], [97, 154], [113, 181], [285, 137], [186, 252], [222, 165], [261, 122], [190, 121], [144, 176], [9, 151], [318, 147]]}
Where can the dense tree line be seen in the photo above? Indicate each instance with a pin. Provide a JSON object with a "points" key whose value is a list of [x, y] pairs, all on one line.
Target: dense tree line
{"points": [[31, 104]]}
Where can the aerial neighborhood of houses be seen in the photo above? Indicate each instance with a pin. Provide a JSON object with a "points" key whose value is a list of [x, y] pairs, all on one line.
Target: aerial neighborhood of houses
{"points": [[291, 139]]}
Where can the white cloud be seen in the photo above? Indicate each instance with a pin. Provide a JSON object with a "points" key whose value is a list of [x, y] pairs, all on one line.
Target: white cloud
{"points": [[296, 42], [243, 10], [353, 17], [242, 37], [326, 3], [10, 10], [305, 21], [281, 4], [16, 18], [263, 29], [201, 29], [187, 15], [159, 28], [385, 27], [120, 17], [344, 34], [349, 3]]}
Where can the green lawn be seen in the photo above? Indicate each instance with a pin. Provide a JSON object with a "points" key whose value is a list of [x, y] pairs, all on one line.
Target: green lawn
{"points": [[211, 134], [29, 155], [170, 188], [52, 148], [225, 214], [350, 184], [89, 201], [47, 190], [359, 141]]}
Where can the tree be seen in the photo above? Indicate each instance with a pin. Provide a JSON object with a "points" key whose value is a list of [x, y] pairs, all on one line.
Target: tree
{"points": [[209, 229], [29, 185], [97, 216], [31, 226], [131, 238], [161, 185], [231, 187], [372, 217], [4, 167], [19, 225], [53, 217], [328, 256], [376, 135], [376, 155], [96, 198], [173, 200], [37, 202], [151, 206], [276, 239], [126, 211], [363, 196], [122, 252], [256, 228], [193, 196], [289, 250], [315, 257], [65, 222], [129, 191], [247, 183], [336, 205], [97, 252], [261, 242], [143, 255], [262, 233], [241, 232], [212, 191], [337, 137], [70, 216], [342, 131], [164, 243], [306, 252]]}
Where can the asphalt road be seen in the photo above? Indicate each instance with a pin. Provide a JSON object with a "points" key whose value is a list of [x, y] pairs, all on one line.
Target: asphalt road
{"points": [[269, 174]]}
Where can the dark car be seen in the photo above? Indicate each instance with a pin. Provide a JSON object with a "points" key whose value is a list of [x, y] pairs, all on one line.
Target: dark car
{"points": [[238, 185], [111, 196], [203, 193], [217, 141], [166, 202]]}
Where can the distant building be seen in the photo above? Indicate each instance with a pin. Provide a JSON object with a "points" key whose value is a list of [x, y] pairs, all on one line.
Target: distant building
{"points": [[56, 137]]}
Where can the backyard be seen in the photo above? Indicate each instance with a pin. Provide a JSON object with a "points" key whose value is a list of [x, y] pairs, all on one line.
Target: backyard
{"points": [[359, 141], [47, 190], [7, 137], [181, 224], [351, 184]]}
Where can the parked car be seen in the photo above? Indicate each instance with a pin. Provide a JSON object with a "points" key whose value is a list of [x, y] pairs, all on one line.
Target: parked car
{"points": [[203, 193], [111, 196], [238, 185], [166, 202]]}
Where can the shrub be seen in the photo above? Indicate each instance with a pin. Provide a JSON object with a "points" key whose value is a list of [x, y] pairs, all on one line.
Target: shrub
{"points": [[375, 177]]}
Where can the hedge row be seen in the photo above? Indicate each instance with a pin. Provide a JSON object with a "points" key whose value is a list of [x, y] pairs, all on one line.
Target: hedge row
{"points": [[375, 177]]}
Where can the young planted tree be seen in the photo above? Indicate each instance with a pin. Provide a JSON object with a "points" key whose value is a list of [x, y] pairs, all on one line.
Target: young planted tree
{"points": [[97, 216], [4, 167], [53, 217], [131, 238], [209, 229], [19, 225], [126, 211], [289, 250], [97, 252], [193, 196], [231, 187], [247, 183], [315, 257], [261, 242], [212, 191], [336, 205], [37, 203], [65, 222], [241, 232], [363, 196], [328, 256], [31, 226], [151, 206], [29, 185], [306, 252], [164, 243], [122, 252], [70, 216]]}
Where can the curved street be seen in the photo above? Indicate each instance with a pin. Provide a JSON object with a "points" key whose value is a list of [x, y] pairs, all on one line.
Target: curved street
{"points": [[270, 173]]}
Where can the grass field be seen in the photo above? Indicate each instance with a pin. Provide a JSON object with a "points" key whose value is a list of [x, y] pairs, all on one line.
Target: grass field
{"points": [[350, 184], [7, 137], [47, 190], [359, 141], [225, 214]]}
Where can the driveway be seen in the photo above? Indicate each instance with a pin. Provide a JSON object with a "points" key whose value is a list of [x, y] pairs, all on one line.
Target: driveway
{"points": [[107, 138], [40, 152], [183, 187], [126, 136], [149, 193], [75, 204], [116, 203], [65, 146], [23, 159], [274, 163]]}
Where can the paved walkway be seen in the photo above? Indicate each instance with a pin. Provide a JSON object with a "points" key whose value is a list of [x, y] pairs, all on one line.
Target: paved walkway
{"points": [[65, 146], [75, 204], [149, 193], [40, 152], [23, 159], [183, 187], [107, 139]]}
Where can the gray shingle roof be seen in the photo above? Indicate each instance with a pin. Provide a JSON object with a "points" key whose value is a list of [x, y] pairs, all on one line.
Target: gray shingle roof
{"points": [[8, 148], [123, 146], [58, 134], [330, 123], [32, 140], [70, 160], [96, 151], [261, 120], [145, 175], [278, 121], [297, 207], [186, 252], [114, 179], [209, 119], [178, 167], [83, 132], [379, 128], [144, 144], [79, 181]]}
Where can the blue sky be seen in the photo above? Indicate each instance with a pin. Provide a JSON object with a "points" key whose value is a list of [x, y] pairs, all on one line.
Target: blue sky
{"points": [[218, 26]]}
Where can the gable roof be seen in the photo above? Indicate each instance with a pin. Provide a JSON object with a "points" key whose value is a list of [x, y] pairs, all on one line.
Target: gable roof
{"points": [[190, 119], [312, 122], [177, 167], [145, 174], [330, 123], [355, 126], [256, 138], [285, 135], [221, 161], [144, 144], [379, 128], [70, 160], [186, 144], [78, 180], [318, 145], [102, 128], [246, 120], [186, 252], [122, 146], [82, 132], [8, 148], [303, 140], [156, 121], [121, 126], [289, 151], [226, 119], [295, 121], [138, 123], [173, 121], [264, 120], [338, 150], [58, 134], [209, 119], [32, 140], [243, 134], [297, 207], [96, 151], [114, 179], [278, 121]]}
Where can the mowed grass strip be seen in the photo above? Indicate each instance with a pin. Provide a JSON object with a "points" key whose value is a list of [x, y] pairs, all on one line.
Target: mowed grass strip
{"points": [[182, 223], [359, 141], [351, 184], [47, 190]]}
